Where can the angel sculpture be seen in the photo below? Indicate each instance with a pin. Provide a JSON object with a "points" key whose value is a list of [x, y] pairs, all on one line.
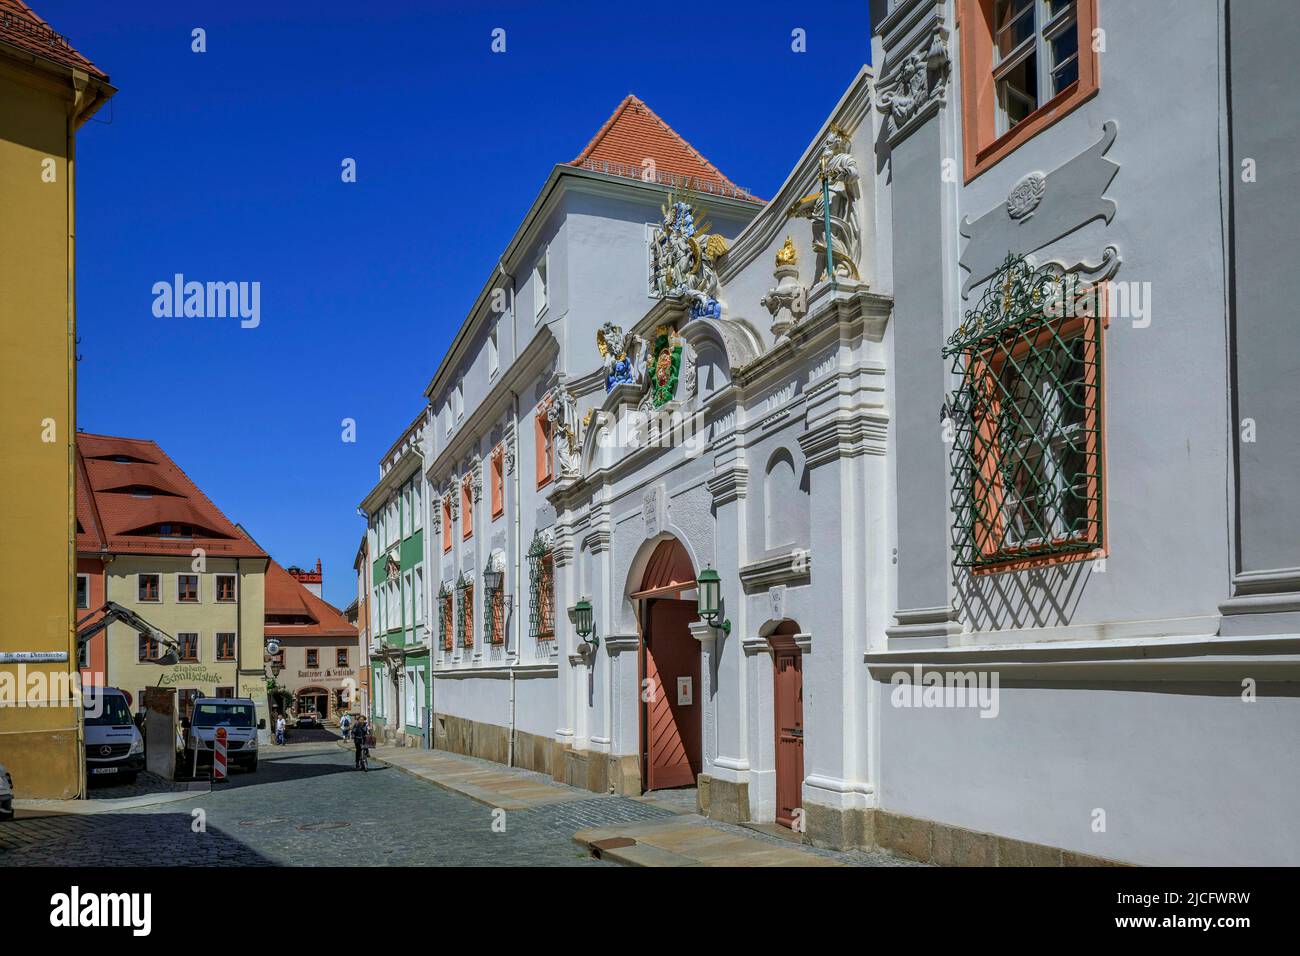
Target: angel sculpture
{"points": [[622, 355], [563, 413]]}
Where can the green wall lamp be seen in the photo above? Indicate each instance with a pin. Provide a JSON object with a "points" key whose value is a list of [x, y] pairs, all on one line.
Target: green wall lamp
{"points": [[584, 623], [709, 606]]}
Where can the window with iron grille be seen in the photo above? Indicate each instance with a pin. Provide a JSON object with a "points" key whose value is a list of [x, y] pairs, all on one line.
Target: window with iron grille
{"points": [[1026, 421], [465, 611], [444, 616], [494, 611], [541, 589]]}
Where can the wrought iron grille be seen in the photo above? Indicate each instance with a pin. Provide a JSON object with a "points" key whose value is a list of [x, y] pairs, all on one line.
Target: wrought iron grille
{"points": [[465, 611], [444, 616], [493, 611], [541, 589], [1026, 420]]}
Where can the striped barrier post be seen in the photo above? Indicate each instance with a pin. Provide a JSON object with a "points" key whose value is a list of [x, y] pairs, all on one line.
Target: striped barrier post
{"points": [[219, 756]]}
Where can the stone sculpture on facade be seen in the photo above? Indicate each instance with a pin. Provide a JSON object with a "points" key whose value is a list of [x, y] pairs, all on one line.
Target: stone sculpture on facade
{"points": [[685, 260], [563, 414], [839, 174], [622, 355], [919, 80], [788, 301]]}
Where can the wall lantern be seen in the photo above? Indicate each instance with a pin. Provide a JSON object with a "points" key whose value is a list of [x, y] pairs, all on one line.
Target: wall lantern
{"points": [[709, 586], [584, 622], [492, 579]]}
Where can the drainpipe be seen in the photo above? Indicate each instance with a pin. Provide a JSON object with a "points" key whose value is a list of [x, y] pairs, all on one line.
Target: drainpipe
{"points": [[69, 198], [517, 546]]}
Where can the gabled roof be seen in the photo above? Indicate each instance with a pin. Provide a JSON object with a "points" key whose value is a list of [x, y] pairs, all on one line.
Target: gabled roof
{"points": [[633, 134], [24, 28], [126, 486], [286, 596]]}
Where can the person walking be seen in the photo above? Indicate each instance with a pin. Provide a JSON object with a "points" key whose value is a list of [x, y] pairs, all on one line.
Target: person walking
{"points": [[345, 726], [279, 729], [360, 732]]}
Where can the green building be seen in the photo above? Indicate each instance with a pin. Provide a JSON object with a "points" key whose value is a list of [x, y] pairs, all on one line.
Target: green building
{"points": [[399, 619]]}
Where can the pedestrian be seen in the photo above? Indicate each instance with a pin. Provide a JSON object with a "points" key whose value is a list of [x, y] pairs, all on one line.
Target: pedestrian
{"points": [[345, 726], [360, 731], [279, 729]]}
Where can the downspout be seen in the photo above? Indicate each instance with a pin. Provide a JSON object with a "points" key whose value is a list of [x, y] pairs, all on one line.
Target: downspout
{"points": [[516, 547], [79, 82]]}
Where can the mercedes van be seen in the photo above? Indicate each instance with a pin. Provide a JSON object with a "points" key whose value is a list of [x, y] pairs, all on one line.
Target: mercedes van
{"points": [[239, 716], [114, 747]]}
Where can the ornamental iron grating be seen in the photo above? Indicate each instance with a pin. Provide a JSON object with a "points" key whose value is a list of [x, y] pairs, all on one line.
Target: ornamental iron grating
{"points": [[465, 611], [493, 609], [541, 584], [1026, 420], [444, 615]]}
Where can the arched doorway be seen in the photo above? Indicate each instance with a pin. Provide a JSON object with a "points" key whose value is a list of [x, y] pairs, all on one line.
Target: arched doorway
{"points": [[787, 696], [671, 707], [312, 699]]}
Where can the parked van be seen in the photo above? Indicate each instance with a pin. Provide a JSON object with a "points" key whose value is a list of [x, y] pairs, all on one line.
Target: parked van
{"points": [[114, 747], [239, 716]]}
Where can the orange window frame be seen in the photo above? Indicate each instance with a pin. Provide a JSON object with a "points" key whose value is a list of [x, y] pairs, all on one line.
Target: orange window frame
{"points": [[982, 146], [498, 483], [466, 508], [498, 635], [468, 593], [546, 598], [545, 435], [446, 525], [987, 448], [449, 623]]}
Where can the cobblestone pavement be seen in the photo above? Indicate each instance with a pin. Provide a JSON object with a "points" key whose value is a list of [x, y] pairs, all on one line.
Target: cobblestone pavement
{"points": [[307, 806], [145, 784]]}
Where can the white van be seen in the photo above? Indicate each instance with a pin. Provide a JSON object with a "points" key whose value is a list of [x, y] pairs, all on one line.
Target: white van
{"points": [[239, 716], [114, 747]]}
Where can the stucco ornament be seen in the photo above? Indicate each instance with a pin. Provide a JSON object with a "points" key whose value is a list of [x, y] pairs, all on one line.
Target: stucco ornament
{"points": [[684, 259], [623, 355], [435, 520], [919, 80], [1026, 195], [476, 482], [563, 413], [455, 506], [664, 368], [788, 300], [839, 171]]}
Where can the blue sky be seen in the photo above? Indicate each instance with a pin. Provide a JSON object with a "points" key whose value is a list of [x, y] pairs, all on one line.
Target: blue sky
{"points": [[225, 166]]}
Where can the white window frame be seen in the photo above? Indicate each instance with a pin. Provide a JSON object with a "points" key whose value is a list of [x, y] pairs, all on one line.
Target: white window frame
{"points": [[1039, 44], [161, 587], [198, 586], [417, 593], [493, 353], [198, 645], [541, 285], [216, 590], [417, 510], [86, 578]]}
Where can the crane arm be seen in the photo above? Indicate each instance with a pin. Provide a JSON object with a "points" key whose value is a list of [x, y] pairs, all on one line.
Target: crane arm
{"points": [[114, 612]]}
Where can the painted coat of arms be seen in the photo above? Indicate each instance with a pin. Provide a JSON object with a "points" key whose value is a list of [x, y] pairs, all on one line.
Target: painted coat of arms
{"points": [[684, 260], [666, 365]]}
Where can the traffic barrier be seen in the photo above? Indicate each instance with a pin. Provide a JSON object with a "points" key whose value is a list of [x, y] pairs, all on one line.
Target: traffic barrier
{"points": [[219, 756]]}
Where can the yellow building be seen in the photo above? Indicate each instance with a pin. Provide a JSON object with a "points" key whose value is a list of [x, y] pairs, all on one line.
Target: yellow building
{"points": [[150, 541], [47, 91]]}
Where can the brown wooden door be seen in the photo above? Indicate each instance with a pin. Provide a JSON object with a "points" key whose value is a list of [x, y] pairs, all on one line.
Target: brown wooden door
{"points": [[671, 712], [788, 663]]}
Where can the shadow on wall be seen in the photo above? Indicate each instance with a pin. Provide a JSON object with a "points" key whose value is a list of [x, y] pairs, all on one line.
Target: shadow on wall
{"points": [[1036, 597]]}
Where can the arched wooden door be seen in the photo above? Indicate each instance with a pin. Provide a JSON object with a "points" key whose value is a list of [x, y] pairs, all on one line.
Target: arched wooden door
{"points": [[671, 708], [787, 665]]}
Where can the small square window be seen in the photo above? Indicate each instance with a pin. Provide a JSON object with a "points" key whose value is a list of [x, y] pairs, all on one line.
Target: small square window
{"points": [[313, 657], [341, 657], [226, 647]]}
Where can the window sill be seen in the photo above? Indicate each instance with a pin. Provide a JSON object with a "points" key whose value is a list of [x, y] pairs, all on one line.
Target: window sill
{"points": [[1041, 119]]}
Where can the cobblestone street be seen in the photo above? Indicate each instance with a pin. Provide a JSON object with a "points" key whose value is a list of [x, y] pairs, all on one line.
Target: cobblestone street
{"points": [[306, 805]]}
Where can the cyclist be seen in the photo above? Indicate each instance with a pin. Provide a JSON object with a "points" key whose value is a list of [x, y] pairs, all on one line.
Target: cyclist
{"points": [[360, 730]]}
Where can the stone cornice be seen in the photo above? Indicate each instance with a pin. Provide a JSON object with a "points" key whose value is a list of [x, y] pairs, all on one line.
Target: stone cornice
{"points": [[845, 436], [793, 567]]}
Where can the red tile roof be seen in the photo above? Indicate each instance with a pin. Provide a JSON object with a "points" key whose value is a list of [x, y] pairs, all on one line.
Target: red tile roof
{"points": [[24, 28], [635, 133], [119, 500], [285, 596]]}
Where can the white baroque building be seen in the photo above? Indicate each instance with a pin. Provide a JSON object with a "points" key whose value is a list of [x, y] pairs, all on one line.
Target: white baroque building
{"points": [[959, 418]]}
